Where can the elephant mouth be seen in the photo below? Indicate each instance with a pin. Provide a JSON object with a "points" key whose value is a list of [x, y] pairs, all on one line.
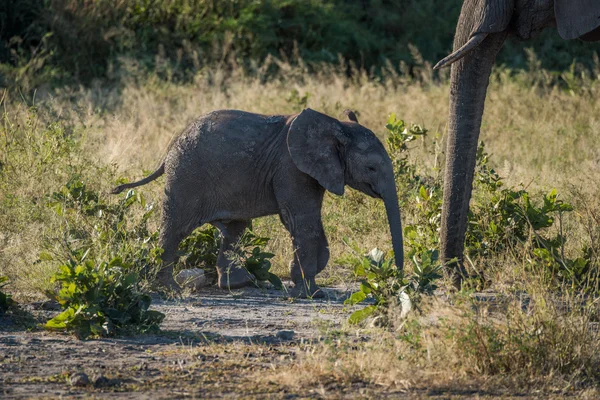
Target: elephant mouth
{"points": [[366, 188], [370, 190]]}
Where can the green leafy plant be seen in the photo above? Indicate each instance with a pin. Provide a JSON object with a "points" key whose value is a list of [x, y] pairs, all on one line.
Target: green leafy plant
{"points": [[101, 299], [103, 229], [382, 281], [422, 236], [399, 135], [5, 299], [202, 248], [106, 228], [500, 220], [256, 261], [101, 247], [503, 218]]}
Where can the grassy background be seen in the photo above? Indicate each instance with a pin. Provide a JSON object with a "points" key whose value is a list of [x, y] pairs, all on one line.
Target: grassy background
{"points": [[97, 89], [540, 137]]}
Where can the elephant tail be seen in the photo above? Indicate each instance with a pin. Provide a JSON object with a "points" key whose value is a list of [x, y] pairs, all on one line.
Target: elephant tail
{"points": [[159, 171]]}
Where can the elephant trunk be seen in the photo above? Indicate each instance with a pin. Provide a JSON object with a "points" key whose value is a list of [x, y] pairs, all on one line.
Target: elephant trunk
{"points": [[390, 200], [468, 86]]}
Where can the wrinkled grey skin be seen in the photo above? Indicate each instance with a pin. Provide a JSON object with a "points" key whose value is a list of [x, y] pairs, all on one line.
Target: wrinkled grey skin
{"points": [[482, 28], [230, 166]]}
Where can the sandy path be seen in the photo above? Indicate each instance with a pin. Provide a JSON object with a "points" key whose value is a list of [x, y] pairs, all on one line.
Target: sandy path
{"points": [[39, 363]]}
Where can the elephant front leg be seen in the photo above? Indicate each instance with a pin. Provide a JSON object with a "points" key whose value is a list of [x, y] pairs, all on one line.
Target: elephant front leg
{"points": [[311, 254], [231, 274]]}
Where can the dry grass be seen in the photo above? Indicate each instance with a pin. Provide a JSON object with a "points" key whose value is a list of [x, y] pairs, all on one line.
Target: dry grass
{"points": [[540, 136], [460, 349]]}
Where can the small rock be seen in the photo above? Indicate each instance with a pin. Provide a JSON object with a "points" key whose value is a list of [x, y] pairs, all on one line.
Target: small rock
{"points": [[79, 379], [194, 278], [285, 335]]}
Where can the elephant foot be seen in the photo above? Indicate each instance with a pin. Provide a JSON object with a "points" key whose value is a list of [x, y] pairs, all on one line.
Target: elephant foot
{"points": [[166, 282], [234, 278], [307, 290]]}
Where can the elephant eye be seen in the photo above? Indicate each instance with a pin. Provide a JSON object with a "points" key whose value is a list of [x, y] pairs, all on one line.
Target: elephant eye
{"points": [[371, 169]]}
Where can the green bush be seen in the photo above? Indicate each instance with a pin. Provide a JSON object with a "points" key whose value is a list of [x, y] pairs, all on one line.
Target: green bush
{"points": [[201, 248], [82, 40], [256, 261], [101, 299], [501, 219], [103, 229], [381, 280]]}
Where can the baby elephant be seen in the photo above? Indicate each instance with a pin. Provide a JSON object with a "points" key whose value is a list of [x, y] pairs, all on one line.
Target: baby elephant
{"points": [[230, 166]]}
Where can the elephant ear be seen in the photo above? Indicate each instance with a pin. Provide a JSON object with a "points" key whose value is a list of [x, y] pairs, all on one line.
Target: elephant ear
{"points": [[575, 18], [314, 142]]}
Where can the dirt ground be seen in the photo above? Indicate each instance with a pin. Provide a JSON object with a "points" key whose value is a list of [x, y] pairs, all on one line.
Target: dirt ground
{"points": [[215, 344], [211, 345]]}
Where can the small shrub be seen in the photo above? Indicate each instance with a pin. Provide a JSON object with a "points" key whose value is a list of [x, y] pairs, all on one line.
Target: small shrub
{"points": [[255, 260], [381, 280], [201, 249], [101, 299], [504, 218], [501, 219], [399, 135], [105, 230]]}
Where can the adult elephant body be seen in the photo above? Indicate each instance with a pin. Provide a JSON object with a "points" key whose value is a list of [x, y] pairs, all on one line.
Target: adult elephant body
{"points": [[230, 166], [482, 28]]}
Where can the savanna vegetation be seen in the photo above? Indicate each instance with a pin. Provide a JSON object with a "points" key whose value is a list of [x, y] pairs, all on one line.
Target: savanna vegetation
{"points": [[93, 91]]}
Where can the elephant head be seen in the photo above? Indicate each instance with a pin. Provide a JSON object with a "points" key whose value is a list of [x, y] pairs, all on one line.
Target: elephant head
{"points": [[337, 153], [482, 27]]}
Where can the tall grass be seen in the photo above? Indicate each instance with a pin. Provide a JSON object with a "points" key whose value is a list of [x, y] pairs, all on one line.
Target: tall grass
{"points": [[540, 136]]}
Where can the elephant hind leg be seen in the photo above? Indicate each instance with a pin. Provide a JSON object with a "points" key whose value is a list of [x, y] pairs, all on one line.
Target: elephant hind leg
{"points": [[177, 223], [231, 275]]}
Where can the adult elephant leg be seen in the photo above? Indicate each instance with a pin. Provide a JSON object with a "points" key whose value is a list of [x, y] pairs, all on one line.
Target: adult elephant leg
{"points": [[231, 275], [469, 82]]}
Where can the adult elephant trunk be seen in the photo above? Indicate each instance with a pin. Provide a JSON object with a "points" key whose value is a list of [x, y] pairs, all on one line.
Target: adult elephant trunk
{"points": [[390, 200], [473, 60]]}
